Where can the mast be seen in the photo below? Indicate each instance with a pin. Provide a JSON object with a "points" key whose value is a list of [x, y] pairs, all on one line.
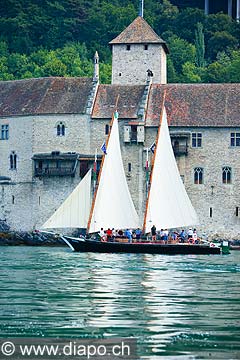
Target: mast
{"points": [[100, 172], [153, 161]]}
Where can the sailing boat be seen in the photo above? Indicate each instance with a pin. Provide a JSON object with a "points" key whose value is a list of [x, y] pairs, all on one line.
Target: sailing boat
{"points": [[74, 211], [112, 205], [168, 205]]}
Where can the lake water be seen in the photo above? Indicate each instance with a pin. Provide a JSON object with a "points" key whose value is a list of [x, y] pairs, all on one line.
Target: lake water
{"points": [[178, 307]]}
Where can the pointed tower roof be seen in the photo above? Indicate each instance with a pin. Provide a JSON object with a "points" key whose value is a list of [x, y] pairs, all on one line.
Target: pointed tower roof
{"points": [[139, 32]]}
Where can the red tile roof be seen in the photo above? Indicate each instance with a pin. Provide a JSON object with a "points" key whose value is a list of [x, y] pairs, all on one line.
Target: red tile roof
{"points": [[195, 104], [187, 105], [53, 95], [128, 104], [138, 32]]}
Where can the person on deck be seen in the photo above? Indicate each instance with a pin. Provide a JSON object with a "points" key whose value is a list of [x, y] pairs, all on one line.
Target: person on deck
{"points": [[128, 234], [195, 237], [114, 233], [161, 235], [190, 233], [165, 235], [109, 234], [120, 233], [101, 233], [138, 233], [153, 232], [175, 236], [182, 236]]}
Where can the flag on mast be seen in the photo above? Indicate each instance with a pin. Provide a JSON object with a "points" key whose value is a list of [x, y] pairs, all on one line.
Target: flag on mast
{"points": [[104, 148], [153, 147]]}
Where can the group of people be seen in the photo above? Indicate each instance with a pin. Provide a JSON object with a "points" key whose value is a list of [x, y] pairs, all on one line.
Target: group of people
{"points": [[163, 235], [190, 236], [112, 234]]}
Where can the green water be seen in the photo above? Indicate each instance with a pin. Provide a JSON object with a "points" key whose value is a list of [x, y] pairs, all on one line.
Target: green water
{"points": [[178, 307]]}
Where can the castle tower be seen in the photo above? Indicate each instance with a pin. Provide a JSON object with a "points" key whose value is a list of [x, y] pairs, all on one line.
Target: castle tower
{"points": [[138, 52]]}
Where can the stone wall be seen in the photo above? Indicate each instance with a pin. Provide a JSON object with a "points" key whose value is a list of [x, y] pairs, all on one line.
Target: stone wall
{"points": [[20, 141], [133, 64], [77, 134]]}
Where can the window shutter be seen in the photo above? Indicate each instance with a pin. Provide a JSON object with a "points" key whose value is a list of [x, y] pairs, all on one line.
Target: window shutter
{"points": [[127, 133], [140, 134]]}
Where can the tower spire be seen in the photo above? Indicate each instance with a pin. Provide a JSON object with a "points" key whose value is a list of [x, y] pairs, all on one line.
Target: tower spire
{"points": [[96, 67], [141, 5]]}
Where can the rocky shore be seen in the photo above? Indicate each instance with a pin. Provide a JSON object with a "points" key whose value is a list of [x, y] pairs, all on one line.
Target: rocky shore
{"points": [[13, 238]]}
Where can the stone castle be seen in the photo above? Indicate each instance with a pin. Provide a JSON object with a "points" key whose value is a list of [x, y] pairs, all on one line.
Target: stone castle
{"points": [[50, 128]]}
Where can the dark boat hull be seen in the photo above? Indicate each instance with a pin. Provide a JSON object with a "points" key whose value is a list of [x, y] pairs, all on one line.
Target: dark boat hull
{"points": [[86, 245]]}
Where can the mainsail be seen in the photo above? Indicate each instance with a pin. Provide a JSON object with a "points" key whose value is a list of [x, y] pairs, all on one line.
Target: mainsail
{"points": [[168, 205], [113, 206], [74, 211]]}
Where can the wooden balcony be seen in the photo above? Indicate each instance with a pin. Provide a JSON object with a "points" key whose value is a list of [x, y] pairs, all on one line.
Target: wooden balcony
{"points": [[63, 171]]}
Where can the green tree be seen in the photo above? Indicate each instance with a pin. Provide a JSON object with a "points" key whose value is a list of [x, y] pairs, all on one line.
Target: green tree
{"points": [[221, 41], [200, 46], [105, 71], [190, 73], [53, 66], [185, 23], [181, 52], [171, 72], [215, 73], [166, 18], [233, 67], [4, 72]]}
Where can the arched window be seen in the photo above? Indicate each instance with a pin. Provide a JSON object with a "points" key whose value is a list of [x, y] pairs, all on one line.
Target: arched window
{"points": [[61, 129], [13, 161], [226, 175], [198, 175]]}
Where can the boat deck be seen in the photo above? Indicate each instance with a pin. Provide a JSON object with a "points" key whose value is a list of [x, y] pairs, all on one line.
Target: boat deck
{"points": [[89, 245]]}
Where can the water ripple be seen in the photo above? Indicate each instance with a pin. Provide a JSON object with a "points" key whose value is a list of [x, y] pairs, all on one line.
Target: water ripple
{"points": [[179, 307]]}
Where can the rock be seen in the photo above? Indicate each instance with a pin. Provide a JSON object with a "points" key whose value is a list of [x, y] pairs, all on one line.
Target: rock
{"points": [[15, 238]]}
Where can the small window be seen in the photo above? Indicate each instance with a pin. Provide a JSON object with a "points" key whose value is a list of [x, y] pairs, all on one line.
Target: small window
{"points": [[235, 139], [39, 200], [198, 175], [13, 199], [145, 47], [4, 132], [106, 129], [120, 74], [210, 212], [196, 140], [133, 133], [237, 211], [60, 129], [128, 47], [13, 161], [226, 175], [129, 167]]}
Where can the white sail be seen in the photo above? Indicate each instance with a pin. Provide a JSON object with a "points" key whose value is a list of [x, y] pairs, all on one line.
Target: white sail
{"points": [[168, 205], [113, 207], [74, 211]]}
